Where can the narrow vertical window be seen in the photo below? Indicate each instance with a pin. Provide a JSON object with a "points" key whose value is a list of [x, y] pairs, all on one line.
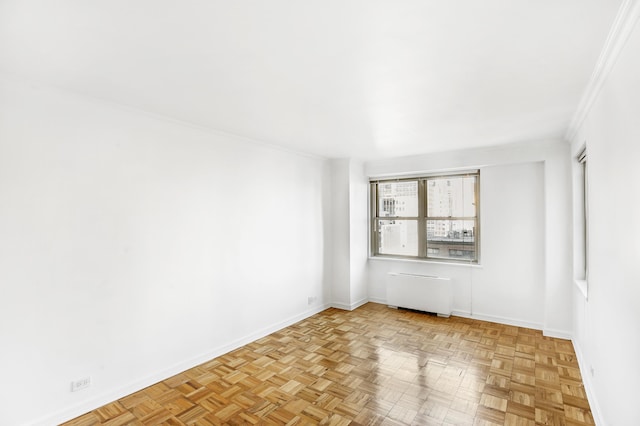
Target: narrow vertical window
{"points": [[582, 160]]}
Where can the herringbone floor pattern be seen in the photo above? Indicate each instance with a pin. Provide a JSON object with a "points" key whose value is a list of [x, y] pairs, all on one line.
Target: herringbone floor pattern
{"points": [[372, 366]]}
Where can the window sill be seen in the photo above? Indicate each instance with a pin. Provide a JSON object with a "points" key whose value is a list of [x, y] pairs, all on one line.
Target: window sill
{"points": [[425, 261], [582, 286]]}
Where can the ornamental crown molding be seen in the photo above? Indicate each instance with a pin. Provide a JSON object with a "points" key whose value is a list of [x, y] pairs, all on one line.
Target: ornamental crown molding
{"points": [[623, 25]]}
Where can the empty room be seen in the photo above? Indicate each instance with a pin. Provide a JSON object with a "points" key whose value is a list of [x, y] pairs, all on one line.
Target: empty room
{"points": [[319, 212]]}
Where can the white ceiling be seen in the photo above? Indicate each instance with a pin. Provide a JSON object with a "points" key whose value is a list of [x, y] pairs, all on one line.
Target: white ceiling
{"points": [[337, 78]]}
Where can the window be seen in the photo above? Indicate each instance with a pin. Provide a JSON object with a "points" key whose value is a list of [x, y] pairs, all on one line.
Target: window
{"points": [[582, 160], [429, 217]]}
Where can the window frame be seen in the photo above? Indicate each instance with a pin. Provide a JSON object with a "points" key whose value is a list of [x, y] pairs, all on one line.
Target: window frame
{"points": [[422, 218]]}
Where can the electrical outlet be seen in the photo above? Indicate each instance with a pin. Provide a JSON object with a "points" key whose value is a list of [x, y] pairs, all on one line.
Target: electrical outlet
{"points": [[79, 384], [593, 371], [311, 299]]}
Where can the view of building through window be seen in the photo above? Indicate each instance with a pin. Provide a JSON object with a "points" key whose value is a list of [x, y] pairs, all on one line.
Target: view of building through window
{"points": [[430, 217], [398, 199], [451, 217]]}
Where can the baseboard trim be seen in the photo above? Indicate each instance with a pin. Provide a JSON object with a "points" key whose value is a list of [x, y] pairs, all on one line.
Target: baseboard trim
{"points": [[112, 395], [378, 300], [557, 334], [497, 319], [359, 303], [588, 385], [350, 307]]}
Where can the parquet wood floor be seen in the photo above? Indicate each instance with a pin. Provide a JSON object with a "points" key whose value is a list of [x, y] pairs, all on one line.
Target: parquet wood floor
{"points": [[371, 366]]}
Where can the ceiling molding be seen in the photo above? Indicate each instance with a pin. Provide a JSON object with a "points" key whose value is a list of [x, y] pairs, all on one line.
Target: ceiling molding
{"points": [[626, 19]]}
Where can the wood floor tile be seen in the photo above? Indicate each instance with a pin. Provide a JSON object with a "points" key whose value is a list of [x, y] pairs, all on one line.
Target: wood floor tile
{"points": [[89, 419], [372, 366], [515, 420]]}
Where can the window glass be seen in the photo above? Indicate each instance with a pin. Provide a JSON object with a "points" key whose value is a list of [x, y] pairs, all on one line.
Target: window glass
{"points": [[399, 237], [451, 197], [398, 199], [451, 239]]}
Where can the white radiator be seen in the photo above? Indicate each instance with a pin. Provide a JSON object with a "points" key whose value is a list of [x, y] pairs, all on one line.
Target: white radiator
{"points": [[427, 293]]}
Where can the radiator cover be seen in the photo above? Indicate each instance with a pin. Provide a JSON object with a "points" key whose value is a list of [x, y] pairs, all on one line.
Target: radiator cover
{"points": [[421, 292]]}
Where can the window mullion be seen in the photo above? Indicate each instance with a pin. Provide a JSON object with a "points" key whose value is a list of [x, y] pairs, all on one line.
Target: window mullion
{"points": [[476, 231], [374, 218], [422, 223]]}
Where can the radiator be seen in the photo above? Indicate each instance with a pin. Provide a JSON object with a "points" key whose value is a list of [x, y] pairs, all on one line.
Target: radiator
{"points": [[427, 293]]}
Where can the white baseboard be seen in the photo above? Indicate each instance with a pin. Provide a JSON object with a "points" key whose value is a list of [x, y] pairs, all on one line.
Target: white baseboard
{"points": [[350, 307], [359, 303], [588, 385], [558, 334], [378, 300], [342, 306], [497, 319], [136, 385]]}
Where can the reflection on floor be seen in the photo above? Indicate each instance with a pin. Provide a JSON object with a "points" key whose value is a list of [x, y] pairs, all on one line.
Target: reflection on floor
{"points": [[371, 366]]}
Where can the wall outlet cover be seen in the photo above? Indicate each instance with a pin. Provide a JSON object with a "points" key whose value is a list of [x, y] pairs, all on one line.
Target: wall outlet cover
{"points": [[79, 384]]}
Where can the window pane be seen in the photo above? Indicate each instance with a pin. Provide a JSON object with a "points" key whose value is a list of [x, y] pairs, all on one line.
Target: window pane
{"points": [[398, 199], [451, 196], [451, 239], [398, 237]]}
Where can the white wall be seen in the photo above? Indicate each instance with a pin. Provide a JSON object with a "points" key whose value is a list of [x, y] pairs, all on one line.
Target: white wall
{"points": [[358, 230], [522, 187], [132, 248], [350, 224], [558, 247], [510, 284], [341, 253], [607, 324]]}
